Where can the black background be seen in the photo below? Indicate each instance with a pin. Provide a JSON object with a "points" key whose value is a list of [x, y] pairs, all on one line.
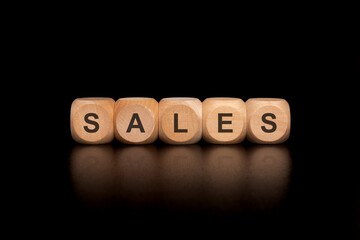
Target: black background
{"points": [[309, 64]]}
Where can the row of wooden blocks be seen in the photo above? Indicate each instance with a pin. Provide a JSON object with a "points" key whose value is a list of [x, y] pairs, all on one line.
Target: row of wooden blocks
{"points": [[138, 120]]}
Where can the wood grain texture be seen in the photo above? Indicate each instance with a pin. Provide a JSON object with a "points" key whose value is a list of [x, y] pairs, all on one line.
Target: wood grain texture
{"points": [[224, 120], [180, 120], [268, 120], [136, 120], [91, 120]]}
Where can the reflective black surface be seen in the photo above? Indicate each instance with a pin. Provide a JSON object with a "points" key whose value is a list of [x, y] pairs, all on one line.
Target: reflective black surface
{"points": [[212, 179], [283, 191]]}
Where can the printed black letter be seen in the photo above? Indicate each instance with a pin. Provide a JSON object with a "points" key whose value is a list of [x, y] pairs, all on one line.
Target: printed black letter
{"points": [[221, 122], [87, 120], [268, 122], [131, 125], [176, 124]]}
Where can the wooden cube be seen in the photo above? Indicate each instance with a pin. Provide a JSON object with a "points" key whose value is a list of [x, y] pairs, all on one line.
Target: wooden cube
{"points": [[224, 120], [136, 120], [268, 120], [91, 120], [180, 120]]}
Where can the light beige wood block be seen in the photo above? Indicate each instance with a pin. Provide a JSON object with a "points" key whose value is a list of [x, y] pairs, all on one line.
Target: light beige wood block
{"points": [[180, 120], [224, 120], [91, 120], [136, 120], [268, 120]]}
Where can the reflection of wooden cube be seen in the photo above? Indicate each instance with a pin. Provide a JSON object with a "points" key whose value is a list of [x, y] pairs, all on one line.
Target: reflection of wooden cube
{"points": [[180, 120], [224, 120], [136, 120], [91, 120], [268, 120]]}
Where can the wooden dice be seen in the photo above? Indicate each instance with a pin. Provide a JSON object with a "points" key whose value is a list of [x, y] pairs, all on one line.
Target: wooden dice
{"points": [[143, 120], [91, 120], [180, 120], [136, 120], [268, 120], [224, 120]]}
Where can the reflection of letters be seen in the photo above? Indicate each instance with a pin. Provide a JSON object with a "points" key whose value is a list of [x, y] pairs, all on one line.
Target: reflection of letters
{"points": [[230, 176], [92, 172], [268, 174]]}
